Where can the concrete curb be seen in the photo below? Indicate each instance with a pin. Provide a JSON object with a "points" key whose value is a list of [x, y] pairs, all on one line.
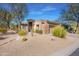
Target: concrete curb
{"points": [[66, 51]]}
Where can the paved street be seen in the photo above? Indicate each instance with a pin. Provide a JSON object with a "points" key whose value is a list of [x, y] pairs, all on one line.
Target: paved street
{"points": [[75, 53]]}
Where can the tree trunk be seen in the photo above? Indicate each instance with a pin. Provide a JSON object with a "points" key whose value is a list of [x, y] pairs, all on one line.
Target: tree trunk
{"points": [[77, 28], [19, 24], [8, 24]]}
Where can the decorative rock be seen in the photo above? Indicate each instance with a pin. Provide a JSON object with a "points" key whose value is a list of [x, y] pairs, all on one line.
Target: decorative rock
{"points": [[52, 39], [24, 39]]}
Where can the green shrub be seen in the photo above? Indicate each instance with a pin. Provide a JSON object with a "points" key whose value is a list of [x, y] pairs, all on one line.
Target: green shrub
{"points": [[40, 31], [3, 30], [22, 32], [33, 30], [77, 32], [59, 31], [37, 31]]}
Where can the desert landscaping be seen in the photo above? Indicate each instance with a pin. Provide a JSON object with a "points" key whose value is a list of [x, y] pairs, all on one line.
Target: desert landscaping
{"points": [[46, 30], [36, 45]]}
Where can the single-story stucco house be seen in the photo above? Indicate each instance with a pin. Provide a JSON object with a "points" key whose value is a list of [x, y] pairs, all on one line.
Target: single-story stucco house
{"points": [[43, 25]]}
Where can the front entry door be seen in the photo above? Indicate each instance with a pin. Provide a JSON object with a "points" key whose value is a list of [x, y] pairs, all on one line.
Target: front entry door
{"points": [[30, 26]]}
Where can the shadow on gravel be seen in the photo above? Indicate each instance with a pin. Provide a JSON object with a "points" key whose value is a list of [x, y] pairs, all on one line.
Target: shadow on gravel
{"points": [[2, 38], [10, 33]]}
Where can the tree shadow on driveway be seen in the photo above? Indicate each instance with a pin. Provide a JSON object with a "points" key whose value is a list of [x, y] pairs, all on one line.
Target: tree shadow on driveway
{"points": [[2, 38]]}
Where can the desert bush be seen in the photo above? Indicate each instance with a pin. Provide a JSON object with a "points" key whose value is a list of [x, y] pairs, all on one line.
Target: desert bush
{"points": [[59, 31], [37, 31], [33, 30], [22, 32], [77, 32], [3, 30]]}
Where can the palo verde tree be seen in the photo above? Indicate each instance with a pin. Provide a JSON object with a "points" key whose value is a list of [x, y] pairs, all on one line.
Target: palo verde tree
{"points": [[74, 10], [5, 17], [19, 10], [72, 14]]}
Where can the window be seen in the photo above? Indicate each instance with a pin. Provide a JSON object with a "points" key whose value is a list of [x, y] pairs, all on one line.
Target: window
{"points": [[42, 22], [37, 25]]}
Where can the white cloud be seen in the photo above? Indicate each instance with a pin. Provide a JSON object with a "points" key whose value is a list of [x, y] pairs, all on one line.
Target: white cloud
{"points": [[35, 12], [43, 10], [48, 8]]}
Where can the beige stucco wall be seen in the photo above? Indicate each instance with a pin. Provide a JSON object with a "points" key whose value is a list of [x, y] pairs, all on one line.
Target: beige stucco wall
{"points": [[37, 22], [44, 27]]}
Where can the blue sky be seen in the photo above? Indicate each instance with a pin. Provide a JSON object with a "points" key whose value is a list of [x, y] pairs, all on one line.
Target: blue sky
{"points": [[45, 11]]}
